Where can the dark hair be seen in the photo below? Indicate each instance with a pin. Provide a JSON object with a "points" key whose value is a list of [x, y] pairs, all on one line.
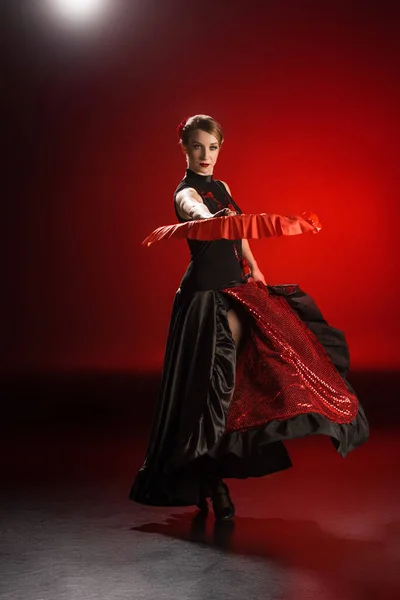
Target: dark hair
{"points": [[203, 122]]}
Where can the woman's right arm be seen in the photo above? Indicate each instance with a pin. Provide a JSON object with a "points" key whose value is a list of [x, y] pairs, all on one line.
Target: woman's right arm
{"points": [[190, 206]]}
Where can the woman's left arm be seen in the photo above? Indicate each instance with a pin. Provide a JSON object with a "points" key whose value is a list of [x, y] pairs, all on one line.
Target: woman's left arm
{"points": [[248, 255]]}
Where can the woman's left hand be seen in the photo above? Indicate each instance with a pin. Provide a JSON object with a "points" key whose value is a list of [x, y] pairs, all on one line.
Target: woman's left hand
{"points": [[257, 275]]}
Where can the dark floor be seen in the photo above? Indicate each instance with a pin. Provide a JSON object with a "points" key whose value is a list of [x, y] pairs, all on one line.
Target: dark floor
{"points": [[329, 528]]}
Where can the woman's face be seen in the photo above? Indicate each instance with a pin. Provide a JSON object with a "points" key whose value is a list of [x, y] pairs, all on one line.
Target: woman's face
{"points": [[202, 152]]}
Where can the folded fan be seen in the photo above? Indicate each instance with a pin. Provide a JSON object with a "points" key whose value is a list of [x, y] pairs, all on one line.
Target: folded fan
{"points": [[237, 227]]}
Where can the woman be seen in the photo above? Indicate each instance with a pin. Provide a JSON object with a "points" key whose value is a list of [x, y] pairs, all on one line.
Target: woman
{"points": [[247, 365]]}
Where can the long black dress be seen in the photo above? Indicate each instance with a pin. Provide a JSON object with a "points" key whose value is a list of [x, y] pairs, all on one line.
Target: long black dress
{"points": [[218, 413]]}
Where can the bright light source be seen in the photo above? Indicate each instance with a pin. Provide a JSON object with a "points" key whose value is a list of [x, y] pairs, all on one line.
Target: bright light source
{"points": [[79, 11]]}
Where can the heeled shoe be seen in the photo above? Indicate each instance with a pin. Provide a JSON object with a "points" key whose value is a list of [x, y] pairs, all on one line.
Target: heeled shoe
{"points": [[224, 509]]}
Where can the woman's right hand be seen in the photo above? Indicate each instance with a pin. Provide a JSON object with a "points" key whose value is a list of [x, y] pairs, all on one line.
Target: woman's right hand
{"points": [[225, 212]]}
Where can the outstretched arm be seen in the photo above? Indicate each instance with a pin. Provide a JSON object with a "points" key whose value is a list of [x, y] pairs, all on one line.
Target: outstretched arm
{"points": [[190, 206]]}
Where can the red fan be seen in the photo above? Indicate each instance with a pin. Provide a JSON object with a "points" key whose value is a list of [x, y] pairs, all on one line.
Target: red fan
{"points": [[237, 227]]}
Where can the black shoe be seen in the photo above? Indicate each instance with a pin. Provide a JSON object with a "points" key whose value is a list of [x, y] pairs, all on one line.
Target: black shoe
{"points": [[224, 509]]}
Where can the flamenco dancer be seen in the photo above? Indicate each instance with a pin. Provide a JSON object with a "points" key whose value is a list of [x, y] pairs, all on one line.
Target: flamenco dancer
{"points": [[247, 365]]}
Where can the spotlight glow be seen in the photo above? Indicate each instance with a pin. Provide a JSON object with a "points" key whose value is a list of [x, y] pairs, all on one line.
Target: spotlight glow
{"points": [[79, 11]]}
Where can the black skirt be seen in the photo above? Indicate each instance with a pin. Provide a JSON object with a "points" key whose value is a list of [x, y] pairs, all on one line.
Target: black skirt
{"points": [[200, 430]]}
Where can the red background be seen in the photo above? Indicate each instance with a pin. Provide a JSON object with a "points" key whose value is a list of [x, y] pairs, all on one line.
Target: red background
{"points": [[308, 96]]}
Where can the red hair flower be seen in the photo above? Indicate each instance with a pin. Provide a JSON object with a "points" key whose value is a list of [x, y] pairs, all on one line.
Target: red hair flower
{"points": [[180, 128]]}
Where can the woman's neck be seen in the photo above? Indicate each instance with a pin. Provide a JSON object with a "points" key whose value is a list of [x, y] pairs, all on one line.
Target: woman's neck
{"points": [[191, 173]]}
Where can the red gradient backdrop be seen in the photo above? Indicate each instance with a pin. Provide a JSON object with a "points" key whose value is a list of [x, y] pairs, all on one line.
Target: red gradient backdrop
{"points": [[308, 96]]}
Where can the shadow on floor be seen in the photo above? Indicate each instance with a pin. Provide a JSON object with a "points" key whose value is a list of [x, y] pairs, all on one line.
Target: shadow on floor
{"points": [[370, 569]]}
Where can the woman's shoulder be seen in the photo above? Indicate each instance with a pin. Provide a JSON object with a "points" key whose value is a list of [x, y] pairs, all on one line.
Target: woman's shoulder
{"points": [[229, 201], [226, 186], [182, 185]]}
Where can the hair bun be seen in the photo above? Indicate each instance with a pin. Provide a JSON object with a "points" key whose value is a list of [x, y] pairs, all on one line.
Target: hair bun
{"points": [[203, 122]]}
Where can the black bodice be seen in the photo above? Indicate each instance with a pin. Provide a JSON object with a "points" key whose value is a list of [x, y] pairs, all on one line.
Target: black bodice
{"points": [[215, 264]]}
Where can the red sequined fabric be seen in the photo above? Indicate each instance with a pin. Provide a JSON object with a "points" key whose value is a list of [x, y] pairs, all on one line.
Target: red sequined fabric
{"points": [[282, 370]]}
